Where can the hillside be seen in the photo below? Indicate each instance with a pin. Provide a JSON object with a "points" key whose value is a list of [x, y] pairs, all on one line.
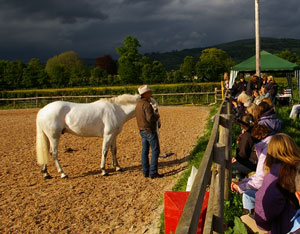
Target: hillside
{"points": [[238, 50]]}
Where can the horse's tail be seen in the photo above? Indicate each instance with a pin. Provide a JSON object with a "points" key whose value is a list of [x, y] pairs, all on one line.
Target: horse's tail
{"points": [[42, 145]]}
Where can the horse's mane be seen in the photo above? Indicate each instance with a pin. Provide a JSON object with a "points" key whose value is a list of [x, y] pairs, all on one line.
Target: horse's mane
{"points": [[124, 99]]}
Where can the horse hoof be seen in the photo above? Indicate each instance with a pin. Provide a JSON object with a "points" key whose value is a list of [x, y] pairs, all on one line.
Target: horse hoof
{"points": [[63, 175], [119, 169], [104, 173], [47, 177]]}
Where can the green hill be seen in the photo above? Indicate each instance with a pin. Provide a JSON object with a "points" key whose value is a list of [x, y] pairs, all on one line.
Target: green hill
{"points": [[238, 50]]}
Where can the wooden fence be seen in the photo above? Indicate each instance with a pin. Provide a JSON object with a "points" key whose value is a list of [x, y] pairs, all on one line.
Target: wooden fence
{"points": [[37, 101], [215, 172]]}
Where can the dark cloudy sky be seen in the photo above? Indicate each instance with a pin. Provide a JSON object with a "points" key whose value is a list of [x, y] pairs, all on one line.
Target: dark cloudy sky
{"points": [[92, 28]]}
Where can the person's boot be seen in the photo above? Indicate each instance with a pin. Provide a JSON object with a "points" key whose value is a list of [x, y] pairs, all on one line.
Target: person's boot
{"points": [[252, 213], [246, 211]]}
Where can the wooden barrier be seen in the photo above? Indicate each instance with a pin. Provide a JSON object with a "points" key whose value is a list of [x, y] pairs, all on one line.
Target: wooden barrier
{"points": [[218, 177]]}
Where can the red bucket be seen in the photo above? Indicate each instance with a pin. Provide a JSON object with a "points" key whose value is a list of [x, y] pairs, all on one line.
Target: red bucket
{"points": [[174, 203]]}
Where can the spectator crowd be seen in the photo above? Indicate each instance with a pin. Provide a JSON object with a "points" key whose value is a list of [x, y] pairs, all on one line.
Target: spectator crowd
{"points": [[266, 159]]}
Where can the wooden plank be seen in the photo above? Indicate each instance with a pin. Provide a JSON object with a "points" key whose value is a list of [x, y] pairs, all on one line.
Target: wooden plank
{"points": [[219, 158], [208, 225], [191, 212]]}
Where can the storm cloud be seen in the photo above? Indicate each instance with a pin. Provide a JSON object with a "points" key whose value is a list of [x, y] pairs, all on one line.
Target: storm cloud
{"points": [[92, 28]]}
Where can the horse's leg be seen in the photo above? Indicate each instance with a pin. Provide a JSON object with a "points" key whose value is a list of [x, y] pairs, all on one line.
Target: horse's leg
{"points": [[46, 174], [54, 152], [107, 140], [113, 149]]}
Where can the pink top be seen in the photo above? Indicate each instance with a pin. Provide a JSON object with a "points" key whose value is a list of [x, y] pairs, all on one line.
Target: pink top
{"points": [[255, 182]]}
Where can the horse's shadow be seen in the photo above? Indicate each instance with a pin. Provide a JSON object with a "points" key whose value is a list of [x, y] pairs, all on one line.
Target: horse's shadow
{"points": [[161, 164]]}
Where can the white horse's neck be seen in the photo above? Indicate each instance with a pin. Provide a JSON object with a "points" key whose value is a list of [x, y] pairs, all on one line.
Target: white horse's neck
{"points": [[129, 111]]}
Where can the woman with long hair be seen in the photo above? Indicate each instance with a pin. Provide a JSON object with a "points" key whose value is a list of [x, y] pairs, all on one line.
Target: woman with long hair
{"points": [[275, 201]]}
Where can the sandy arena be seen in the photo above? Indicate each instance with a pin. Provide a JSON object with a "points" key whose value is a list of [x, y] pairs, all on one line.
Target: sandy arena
{"points": [[86, 202]]}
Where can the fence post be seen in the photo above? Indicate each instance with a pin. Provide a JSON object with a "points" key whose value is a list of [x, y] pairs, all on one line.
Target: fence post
{"points": [[216, 95], [218, 219], [225, 138]]}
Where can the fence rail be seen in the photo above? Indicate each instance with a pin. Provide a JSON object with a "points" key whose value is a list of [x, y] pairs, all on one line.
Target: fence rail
{"points": [[218, 154], [36, 101]]}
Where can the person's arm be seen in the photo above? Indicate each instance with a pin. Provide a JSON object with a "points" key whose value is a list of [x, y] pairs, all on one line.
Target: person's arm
{"points": [[255, 181], [149, 114]]}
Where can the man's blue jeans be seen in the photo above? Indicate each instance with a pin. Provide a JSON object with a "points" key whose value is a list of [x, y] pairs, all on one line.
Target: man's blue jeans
{"points": [[149, 139]]}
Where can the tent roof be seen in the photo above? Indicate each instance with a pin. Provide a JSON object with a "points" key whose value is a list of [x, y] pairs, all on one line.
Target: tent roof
{"points": [[269, 62]]}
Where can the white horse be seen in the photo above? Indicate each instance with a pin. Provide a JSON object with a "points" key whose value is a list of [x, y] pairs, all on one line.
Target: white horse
{"points": [[104, 117]]}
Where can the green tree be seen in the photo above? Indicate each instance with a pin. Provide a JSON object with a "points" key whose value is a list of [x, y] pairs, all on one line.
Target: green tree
{"points": [[58, 77], [3, 82], [13, 74], [153, 73], [147, 73], [212, 64], [98, 77], [177, 77], [129, 61], [188, 68], [34, 75], [289, 56], [79, 77], [72, 67]]}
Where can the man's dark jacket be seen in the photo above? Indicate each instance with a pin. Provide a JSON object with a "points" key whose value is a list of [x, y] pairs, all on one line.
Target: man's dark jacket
{"points": [[145, 116]]}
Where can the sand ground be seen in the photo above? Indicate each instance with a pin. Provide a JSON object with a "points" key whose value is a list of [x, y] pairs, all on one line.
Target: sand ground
{"points": [[86, 202]]}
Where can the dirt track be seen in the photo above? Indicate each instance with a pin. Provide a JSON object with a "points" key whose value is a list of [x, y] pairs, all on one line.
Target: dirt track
{"points": [[86, 202]]}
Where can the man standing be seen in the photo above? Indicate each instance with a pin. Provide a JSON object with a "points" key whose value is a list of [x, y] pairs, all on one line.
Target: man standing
{"points": [[146, 121]]}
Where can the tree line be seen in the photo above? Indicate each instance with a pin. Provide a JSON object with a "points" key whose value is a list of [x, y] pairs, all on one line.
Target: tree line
{"points": [[68, 70]]}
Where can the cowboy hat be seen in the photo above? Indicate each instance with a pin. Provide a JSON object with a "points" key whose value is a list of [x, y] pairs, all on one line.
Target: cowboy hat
{"points": [[144, 89]]}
